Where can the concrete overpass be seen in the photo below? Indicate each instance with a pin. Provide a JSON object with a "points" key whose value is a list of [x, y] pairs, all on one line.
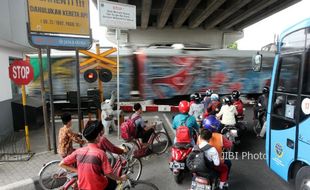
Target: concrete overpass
{"points": [[214, 22]]}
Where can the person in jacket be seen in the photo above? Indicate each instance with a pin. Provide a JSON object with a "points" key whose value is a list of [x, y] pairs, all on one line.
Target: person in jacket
{"points": [[183, 118], [228, 112]]}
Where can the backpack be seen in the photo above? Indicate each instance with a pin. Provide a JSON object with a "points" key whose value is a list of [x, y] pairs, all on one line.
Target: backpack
{"points": [[183, 134], [196, 161], [128, 129]]}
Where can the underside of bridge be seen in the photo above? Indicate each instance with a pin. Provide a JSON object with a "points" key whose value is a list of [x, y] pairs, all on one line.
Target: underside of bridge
{"points": [[208, 15]]}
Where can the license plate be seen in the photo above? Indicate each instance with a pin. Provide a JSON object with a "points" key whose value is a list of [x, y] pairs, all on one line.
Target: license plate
{"points": [[198, 186], [177, 165]]}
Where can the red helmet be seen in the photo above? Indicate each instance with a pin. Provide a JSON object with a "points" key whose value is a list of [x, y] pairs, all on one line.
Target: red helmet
{"points": [[184, 106]]}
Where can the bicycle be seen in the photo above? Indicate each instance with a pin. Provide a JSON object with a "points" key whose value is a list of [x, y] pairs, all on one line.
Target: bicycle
{"points": [[51, 176], [158, 142]]}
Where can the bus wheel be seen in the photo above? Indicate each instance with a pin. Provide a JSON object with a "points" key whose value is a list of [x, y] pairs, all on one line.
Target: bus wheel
{"points": [[302, 180]]}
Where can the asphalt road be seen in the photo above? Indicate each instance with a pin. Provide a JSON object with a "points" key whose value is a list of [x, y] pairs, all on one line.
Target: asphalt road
{"points": [[249, 170]]}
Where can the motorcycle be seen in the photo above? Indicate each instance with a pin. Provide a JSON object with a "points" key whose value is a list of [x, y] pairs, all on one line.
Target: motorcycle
{"points": [[108, 114], [179, 153], [260, 116], [231, 133], [202, 183]]}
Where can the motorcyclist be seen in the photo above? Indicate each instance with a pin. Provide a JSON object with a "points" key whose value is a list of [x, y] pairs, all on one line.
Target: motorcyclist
{"points": [[184, 118], [237, 102], [207, 99], [220, 142], [197, 108], [213, 154], [215, 105], [228, 112], [192, 99], [261, 106]]}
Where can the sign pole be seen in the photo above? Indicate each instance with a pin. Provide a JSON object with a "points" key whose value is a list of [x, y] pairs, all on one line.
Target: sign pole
{"points": [[47, 131], [78, 92], [99, 83], [25, 118], [118, 106], [50, 82]]}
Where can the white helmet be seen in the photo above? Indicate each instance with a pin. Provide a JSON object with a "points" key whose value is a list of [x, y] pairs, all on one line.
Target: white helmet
{"points": [[214, 97]]}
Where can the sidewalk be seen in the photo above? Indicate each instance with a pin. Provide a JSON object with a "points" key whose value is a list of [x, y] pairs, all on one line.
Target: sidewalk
{"points": [[24, 174]]}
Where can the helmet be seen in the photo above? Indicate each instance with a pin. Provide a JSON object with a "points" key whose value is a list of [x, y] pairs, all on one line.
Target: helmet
{"points": [[211, 123], [197, 96], [227, 100], [192, 97], [184, 106], [214, 97], [209, 92], [265, 90], [235, 94]]}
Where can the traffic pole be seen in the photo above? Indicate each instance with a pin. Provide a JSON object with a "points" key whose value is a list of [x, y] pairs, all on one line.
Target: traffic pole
{"points": [[46, 122], [25, 118], [50, 82], [100, 88]]}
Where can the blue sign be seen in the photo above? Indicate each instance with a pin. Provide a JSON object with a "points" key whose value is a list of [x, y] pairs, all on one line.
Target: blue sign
{"points": [[61, 42]]}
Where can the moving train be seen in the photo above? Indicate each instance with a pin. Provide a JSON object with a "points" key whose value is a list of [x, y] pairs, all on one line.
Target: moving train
{"points": [[164, 72]]}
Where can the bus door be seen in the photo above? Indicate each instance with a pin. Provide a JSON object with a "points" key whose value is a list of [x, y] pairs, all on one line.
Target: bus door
{"points": [[285, 104], [304, 120]]}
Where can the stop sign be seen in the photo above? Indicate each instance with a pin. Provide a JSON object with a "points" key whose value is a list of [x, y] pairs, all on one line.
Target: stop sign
{"points": [[21, 72]]}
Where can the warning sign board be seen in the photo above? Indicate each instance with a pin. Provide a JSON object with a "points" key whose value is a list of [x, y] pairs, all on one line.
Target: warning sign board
{"points": [[59, 16]]}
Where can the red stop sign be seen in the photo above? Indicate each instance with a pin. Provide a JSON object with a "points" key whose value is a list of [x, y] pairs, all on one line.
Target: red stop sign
{"points": [[21, 72]]}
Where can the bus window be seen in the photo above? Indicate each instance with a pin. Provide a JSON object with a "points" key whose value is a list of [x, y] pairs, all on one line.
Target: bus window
{"points": [[306, 78], [289, 72], [308, 38], [294, 42]]}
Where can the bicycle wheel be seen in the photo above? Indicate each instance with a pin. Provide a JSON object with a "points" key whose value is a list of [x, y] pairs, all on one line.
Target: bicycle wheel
{"points": [[134, 168], [140, 185], [160, 143], [52, 176]]}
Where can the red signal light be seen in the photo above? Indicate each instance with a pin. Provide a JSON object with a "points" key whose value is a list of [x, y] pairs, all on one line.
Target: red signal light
{"points": [[90, 75]]}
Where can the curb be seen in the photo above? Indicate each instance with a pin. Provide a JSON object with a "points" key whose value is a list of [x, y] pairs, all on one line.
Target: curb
{"points": [[26, 184]]}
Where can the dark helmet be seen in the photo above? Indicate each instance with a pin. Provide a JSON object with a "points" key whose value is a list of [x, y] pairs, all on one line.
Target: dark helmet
{"points": [[209, 92], [235, 94], [227, 100], [192, 97], [197, 96], [266, 90], [211, 123]]}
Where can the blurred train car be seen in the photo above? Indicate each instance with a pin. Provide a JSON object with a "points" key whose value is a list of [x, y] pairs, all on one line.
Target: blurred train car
{"points": [[163, 72], [166, 72]]}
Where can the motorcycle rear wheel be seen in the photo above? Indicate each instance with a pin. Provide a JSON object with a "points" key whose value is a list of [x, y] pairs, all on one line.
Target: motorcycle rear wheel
{"points": [[177, 178]]}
